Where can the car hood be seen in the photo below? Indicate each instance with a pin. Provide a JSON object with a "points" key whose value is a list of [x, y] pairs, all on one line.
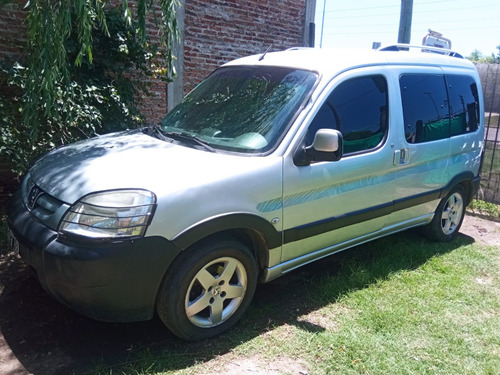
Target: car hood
{"points": [[130, 160]]}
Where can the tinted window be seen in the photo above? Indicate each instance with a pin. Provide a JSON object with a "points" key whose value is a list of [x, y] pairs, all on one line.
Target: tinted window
{"points": [[464, 104], [425, 107], [357, 108], [242, 109]]}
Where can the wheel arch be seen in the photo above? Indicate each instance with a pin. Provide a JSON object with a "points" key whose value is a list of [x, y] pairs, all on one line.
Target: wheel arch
{"points": [[468, 181], [252, 230]]}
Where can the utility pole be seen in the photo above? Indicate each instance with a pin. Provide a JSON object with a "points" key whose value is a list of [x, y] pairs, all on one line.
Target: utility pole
{"points": [[404, 35]]}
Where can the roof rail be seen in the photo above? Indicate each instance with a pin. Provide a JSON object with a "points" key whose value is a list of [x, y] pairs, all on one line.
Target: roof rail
{"points": [[403, 47]]}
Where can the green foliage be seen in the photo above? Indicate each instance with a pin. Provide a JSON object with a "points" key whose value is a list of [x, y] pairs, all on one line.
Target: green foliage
{"points": [[4, 2], [78, 113], [491, 210], [87, 65], [477, 56], [121, 66]]}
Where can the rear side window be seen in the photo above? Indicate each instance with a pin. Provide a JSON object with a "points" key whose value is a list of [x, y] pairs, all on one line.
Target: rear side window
{"points": [[464, 104], [358, 109], [438, 106], [425, 107]]}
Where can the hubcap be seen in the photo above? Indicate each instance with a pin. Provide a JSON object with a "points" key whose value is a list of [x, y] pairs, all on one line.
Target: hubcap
{"points": [[452, 213], [216, 292]]}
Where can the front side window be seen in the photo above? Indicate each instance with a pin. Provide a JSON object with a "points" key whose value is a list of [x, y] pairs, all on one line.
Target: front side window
{"points": [[358, 108], [241, 109], [425, 107]]}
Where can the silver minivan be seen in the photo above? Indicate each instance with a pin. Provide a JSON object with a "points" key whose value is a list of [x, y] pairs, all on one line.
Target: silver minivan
{"points": [[272, 162]]}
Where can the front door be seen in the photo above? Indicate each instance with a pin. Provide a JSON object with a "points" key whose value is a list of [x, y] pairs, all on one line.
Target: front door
{"points": [[330, 203]]}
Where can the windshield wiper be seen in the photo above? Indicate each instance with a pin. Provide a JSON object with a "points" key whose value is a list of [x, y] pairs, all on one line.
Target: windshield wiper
{"points": [[186, 137], [157, 132]]}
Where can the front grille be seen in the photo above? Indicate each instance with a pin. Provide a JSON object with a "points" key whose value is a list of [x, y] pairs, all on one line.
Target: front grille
{"points": [[33, 196], [44, 207]]}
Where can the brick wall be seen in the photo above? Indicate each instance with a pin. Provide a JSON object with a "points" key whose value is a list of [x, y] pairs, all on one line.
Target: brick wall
{"points": [[220, 31], [12, 32]]}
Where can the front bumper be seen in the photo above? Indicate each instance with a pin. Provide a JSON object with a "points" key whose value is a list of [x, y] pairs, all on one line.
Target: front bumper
{"points": [[111, 281]]}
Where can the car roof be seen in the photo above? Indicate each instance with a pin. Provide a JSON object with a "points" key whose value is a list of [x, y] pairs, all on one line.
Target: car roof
{"points": [[332, 61]]}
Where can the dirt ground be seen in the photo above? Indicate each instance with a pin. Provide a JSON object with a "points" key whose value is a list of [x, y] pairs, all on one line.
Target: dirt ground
{"points": [[39, 336]]}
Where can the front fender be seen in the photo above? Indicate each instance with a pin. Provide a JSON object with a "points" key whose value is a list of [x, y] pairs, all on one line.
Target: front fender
{"points": [[226, 222]]}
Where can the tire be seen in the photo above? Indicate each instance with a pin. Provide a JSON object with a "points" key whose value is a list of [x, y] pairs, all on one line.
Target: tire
{"points": [[207, 289], [449, 216]]}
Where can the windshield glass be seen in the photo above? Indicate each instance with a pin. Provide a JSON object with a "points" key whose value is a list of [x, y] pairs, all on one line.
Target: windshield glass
{"points": [[242, 109]]}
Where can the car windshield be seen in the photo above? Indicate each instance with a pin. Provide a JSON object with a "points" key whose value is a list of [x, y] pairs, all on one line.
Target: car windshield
{"points": [[241, 109]]}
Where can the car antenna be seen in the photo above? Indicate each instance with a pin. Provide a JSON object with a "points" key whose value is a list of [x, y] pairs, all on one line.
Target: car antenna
{"points": [[264, 54]]}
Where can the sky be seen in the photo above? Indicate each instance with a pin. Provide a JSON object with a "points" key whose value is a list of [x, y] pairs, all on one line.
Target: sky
{"points": [[470, 24]]}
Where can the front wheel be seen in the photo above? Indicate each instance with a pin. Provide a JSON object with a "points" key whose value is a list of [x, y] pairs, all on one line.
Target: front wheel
{"points": [[448, 217], [207, 289]]}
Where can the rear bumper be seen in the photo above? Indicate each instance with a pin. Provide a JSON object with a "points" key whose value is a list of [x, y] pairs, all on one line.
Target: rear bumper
{"points": [[110, 281]]}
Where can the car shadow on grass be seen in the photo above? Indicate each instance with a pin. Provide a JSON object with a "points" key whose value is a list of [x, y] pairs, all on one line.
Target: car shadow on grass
{"points": [[48, 338]]}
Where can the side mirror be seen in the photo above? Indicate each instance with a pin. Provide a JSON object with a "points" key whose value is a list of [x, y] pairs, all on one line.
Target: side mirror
{"points": [[326, 140], [327, 146]]}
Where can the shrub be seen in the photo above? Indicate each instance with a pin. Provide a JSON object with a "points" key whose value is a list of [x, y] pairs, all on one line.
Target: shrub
{"points": [[52, 105]]}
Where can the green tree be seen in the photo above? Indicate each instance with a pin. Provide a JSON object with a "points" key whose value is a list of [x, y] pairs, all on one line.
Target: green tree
{"points": [[477, 56], [78, 70]]}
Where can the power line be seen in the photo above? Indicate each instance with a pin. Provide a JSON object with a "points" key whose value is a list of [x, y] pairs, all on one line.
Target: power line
{"points": [[417, 4], [454, 21], [366, 8], [339, 33], [415, 15], [383, 6]]}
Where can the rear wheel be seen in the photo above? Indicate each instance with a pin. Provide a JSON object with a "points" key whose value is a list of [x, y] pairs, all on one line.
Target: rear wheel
{"points": [[207, 289], [448, 217]]}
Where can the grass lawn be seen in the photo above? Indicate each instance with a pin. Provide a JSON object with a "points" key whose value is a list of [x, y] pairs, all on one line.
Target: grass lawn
{"points": [[399, 305], [491, 161]]}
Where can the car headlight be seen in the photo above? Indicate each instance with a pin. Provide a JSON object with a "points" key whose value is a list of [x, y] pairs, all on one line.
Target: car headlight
{"points": [[110, 214]]}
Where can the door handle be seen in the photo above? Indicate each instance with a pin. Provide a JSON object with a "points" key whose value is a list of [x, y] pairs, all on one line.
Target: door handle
{"points": [[402, 156]]}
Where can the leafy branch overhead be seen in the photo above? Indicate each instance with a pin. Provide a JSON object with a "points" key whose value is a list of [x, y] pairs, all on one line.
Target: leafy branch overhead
{"points": [[50, 24]]}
